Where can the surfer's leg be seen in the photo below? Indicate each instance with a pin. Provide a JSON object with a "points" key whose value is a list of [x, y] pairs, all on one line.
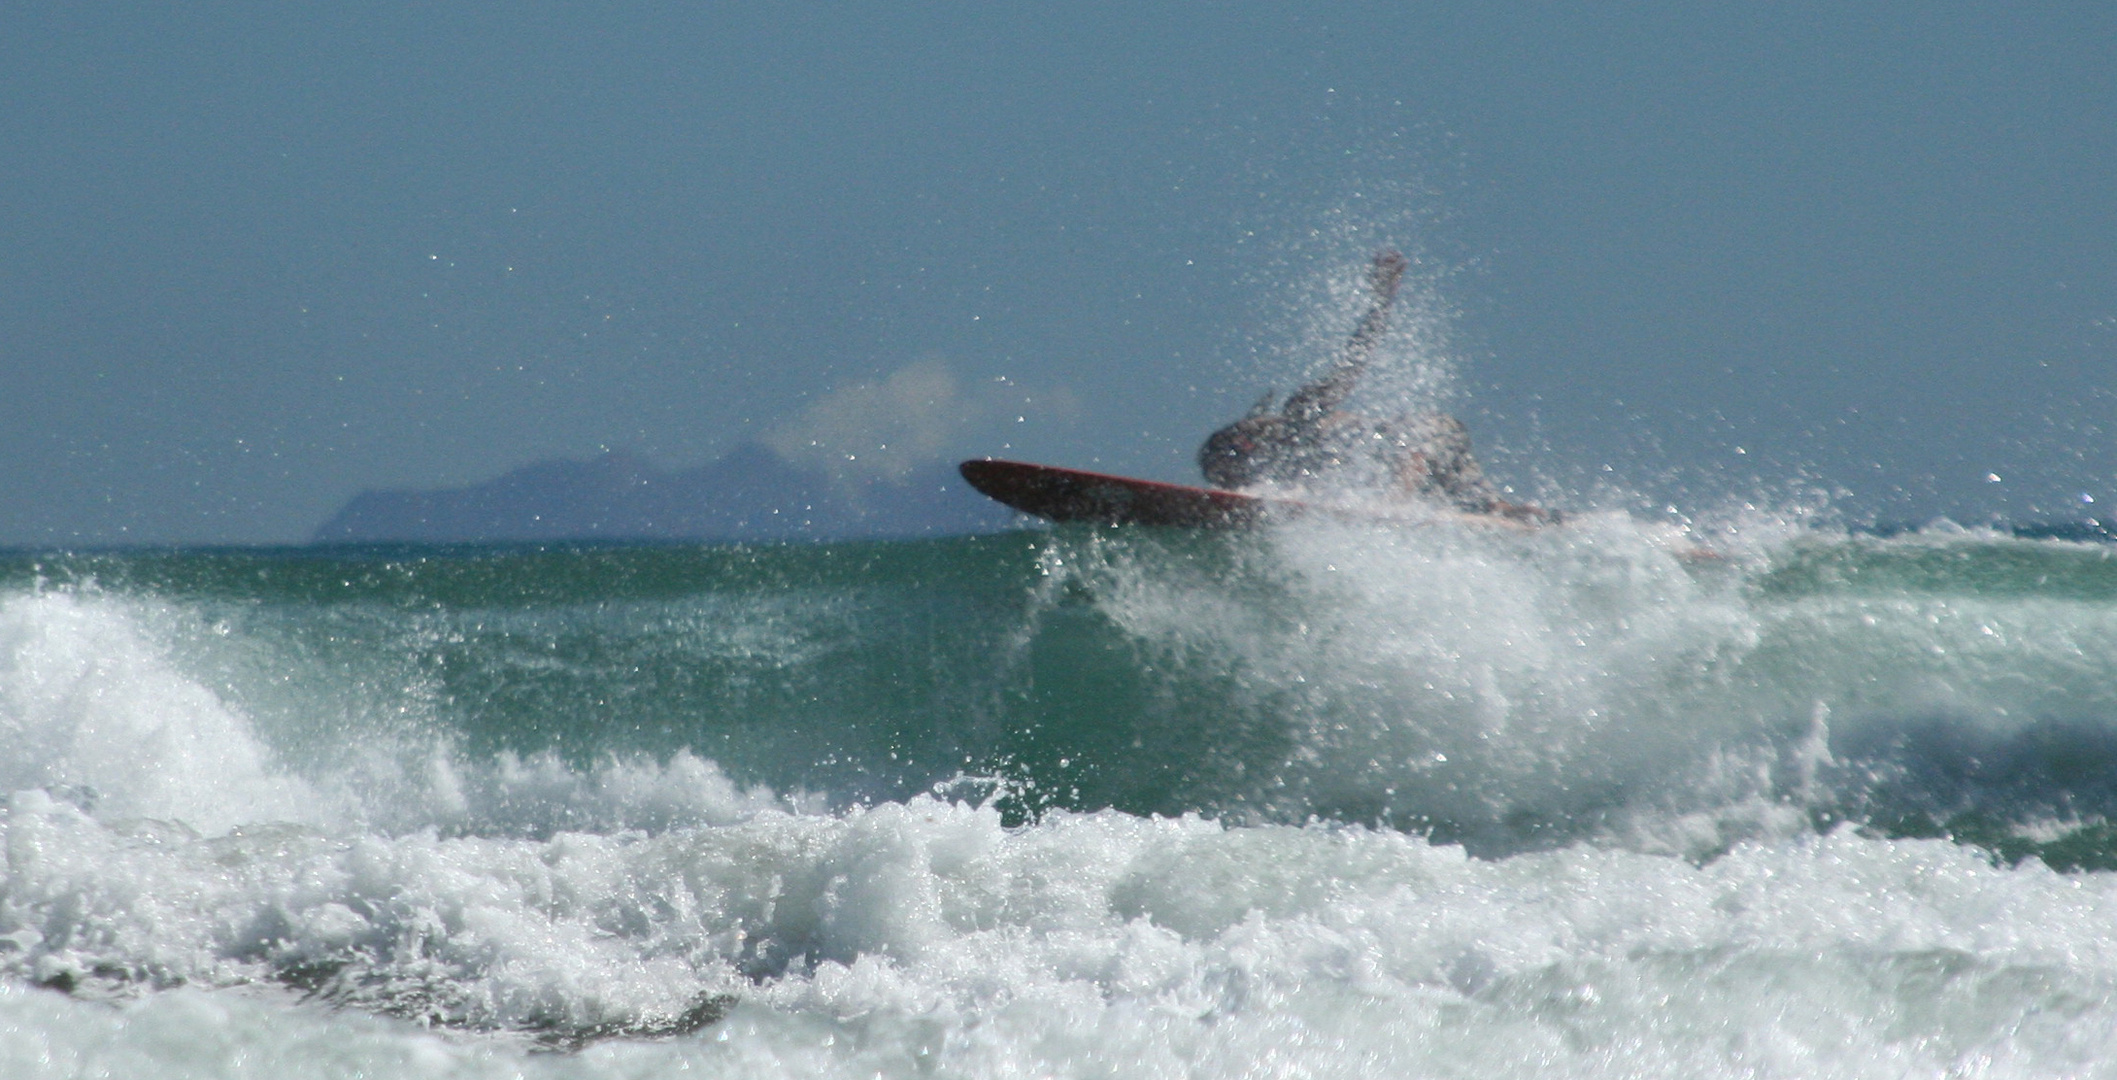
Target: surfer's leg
{"points": [[1311, 403]]}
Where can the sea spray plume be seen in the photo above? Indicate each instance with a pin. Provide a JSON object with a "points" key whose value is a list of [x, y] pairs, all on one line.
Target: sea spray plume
{"points": [[90, 705], [1318, 441], [1519, 691], [1307, 264], [1434, 678]]}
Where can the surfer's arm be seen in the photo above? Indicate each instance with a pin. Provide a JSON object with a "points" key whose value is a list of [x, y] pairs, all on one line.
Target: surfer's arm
{"points": [[1321, 398]]}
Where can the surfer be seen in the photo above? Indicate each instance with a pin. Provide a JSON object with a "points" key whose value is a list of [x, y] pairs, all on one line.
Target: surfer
{"points": [[1310, 438]]}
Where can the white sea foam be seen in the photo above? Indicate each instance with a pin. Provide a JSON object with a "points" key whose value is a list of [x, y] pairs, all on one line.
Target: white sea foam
{"points": [[926, 939]]}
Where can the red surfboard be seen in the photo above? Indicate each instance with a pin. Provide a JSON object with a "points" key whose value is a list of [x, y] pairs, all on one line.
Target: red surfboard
{"points": [[1060, 494], [1075, 495]]}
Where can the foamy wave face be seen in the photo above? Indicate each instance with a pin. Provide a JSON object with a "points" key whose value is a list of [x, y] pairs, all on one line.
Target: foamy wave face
{"points": [[91, 707], [100, 712], [1453, 677], [1601, 679], [925, 938]]}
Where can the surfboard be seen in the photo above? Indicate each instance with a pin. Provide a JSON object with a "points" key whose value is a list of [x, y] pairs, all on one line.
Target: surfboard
{"points": [[1060, 494], [1077, 495]]}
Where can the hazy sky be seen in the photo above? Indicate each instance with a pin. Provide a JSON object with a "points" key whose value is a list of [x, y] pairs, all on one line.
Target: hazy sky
{"points": [[257, 257]]}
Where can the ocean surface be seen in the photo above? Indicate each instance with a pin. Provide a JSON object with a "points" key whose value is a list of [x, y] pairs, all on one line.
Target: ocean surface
{"points": [[1614, 799]]}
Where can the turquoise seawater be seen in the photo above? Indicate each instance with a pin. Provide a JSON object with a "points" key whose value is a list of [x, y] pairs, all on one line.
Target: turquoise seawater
{"points": [[1606, 799]]}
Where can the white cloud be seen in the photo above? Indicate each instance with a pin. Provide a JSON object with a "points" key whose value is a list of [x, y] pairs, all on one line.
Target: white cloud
{"points": [[919, 414]]}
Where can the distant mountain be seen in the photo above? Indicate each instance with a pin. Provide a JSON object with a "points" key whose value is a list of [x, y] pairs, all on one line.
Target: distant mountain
{"points": [[751, 494]]}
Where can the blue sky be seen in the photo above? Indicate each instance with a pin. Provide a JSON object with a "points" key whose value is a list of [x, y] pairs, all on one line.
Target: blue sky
{"points": [[257, 257]]}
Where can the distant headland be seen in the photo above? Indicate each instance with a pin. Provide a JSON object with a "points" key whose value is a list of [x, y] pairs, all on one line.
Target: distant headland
{"points": [[752, 493]]}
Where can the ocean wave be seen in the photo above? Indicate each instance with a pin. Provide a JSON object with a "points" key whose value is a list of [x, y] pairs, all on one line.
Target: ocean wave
{"points": [[1121, 803]]}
